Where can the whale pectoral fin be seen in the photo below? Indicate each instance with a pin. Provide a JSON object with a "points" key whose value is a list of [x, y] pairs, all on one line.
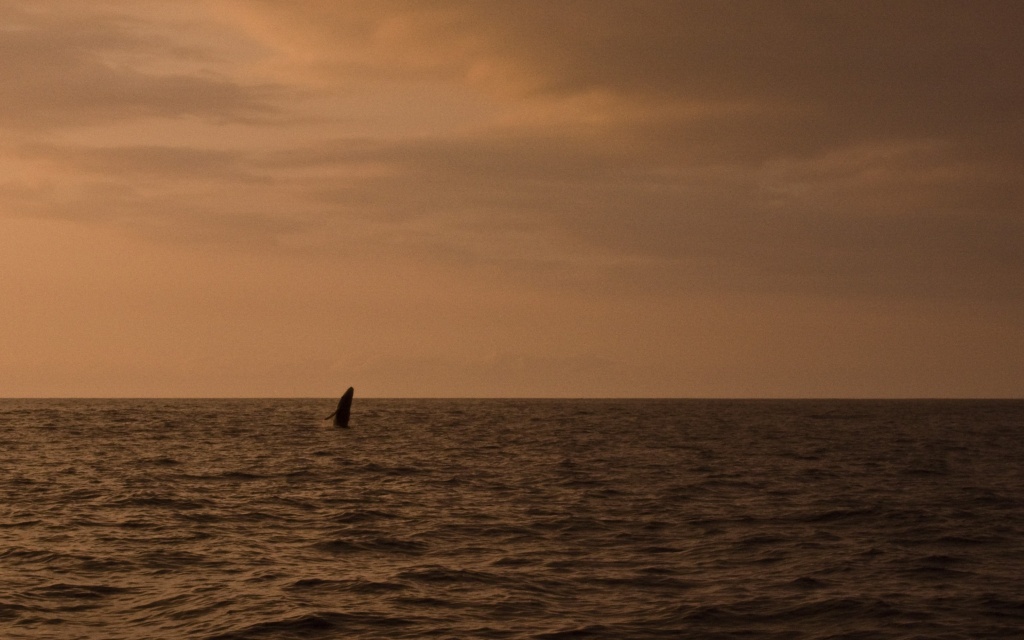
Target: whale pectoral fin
{"points": [[331, 416]]}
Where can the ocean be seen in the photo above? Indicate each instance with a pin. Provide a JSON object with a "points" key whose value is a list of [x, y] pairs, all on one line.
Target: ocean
{"points": [[543, 519]]}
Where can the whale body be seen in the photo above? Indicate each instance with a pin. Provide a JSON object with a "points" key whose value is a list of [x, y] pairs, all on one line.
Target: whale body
{"points": [[341, 414]]}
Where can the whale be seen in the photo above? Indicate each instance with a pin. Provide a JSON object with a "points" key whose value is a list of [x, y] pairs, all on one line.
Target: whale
{"points": [[341, 414]]}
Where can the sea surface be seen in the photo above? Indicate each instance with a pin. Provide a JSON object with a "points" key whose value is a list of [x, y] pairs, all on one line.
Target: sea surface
{"points": [[626, 519]]}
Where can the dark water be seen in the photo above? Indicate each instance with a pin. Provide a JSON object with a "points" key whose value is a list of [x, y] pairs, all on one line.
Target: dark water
{"points": [[239, 519]]}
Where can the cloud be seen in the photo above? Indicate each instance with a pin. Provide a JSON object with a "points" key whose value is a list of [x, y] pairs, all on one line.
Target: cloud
{"points": [[907, 221], [837, 72], [840, 148], [566, 213], [65, 65]]}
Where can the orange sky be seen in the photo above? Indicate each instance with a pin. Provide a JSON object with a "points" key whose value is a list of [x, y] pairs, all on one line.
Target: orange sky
{"points": [[531, 198]]}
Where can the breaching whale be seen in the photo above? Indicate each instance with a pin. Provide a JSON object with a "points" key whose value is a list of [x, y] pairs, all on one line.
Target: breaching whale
{"points": [[341, 414]]}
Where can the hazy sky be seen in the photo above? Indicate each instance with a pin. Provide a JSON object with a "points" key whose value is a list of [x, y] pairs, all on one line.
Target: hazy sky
{"points": [[529, 198]]}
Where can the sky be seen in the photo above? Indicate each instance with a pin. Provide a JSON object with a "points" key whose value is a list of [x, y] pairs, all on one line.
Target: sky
{"points": [[584, 198]]}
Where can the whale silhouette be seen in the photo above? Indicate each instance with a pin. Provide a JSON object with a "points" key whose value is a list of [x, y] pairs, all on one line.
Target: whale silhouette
{"points": [[341, 414]]}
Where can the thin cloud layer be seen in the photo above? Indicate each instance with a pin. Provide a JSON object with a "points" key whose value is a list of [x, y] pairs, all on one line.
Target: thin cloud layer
{"points": [[65, 66], [821, 74]]}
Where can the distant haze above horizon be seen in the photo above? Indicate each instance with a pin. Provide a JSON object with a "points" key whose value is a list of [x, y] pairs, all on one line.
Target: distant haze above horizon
{"points": [[600, 198]]}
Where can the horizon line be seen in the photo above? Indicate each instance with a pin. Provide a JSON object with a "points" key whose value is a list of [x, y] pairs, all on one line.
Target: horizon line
{"points": [[734, 398]]}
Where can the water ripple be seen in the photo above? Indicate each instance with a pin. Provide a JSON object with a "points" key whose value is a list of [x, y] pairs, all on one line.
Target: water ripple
{"points": [[231, 519]]}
